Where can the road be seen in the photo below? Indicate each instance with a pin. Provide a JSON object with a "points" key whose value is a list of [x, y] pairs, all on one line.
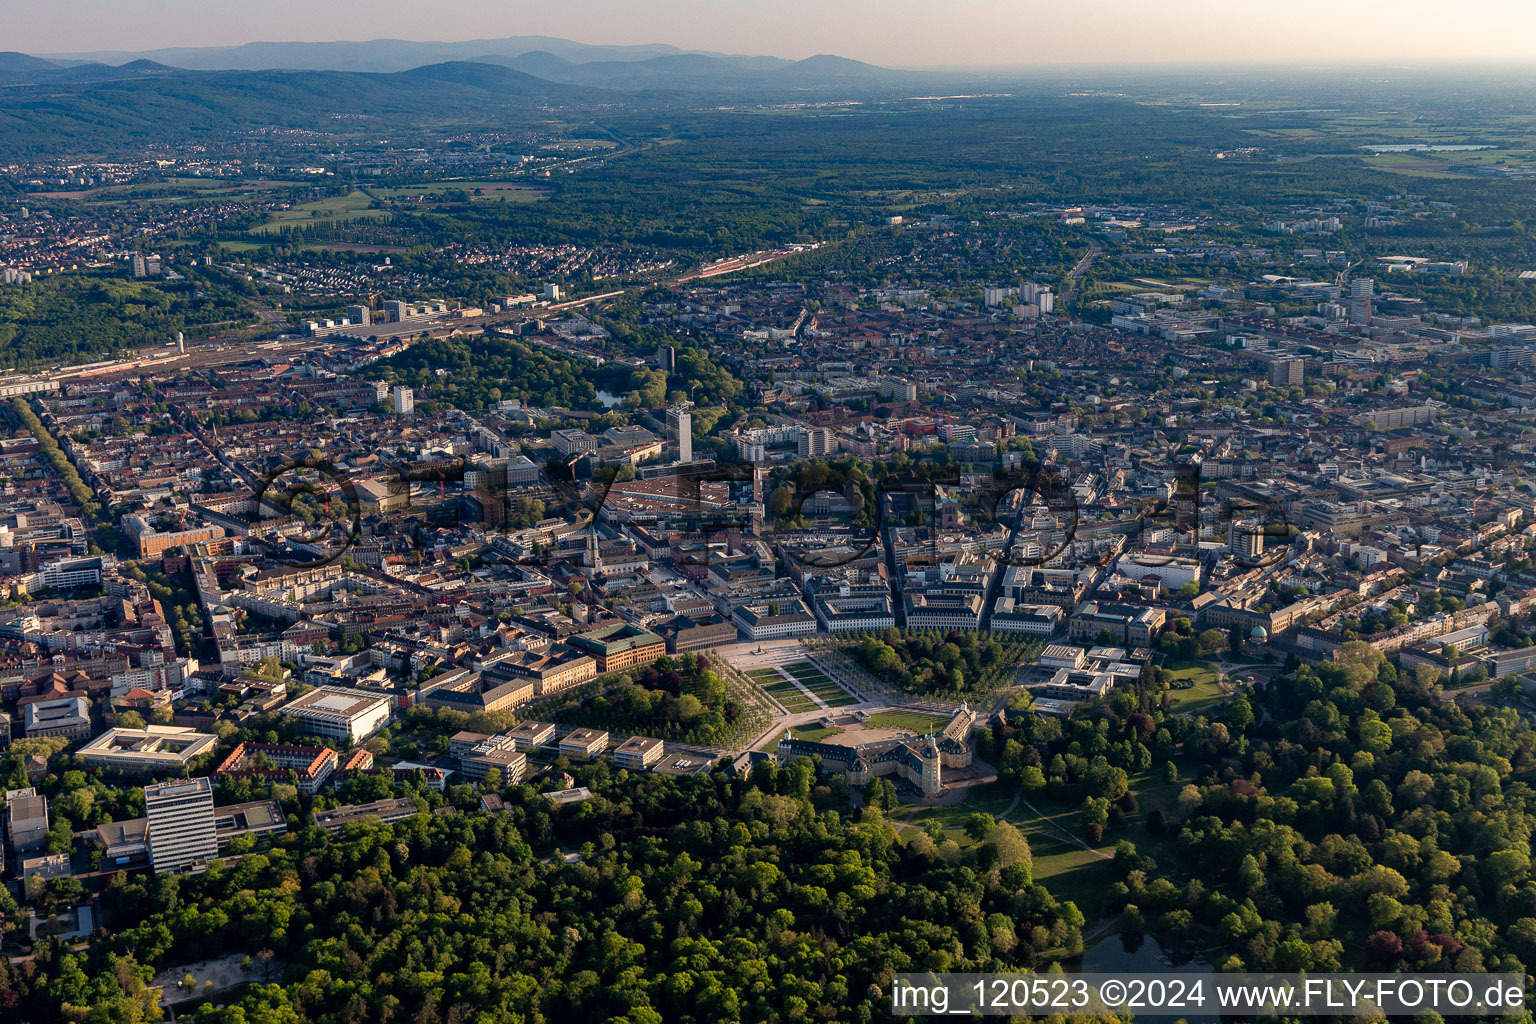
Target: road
{"points": [[1069, 293]]}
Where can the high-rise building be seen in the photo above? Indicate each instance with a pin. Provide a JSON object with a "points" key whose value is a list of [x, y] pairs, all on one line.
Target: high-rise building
{"points": [[140, 268], [816, 441], [553, 292], [666, 358], [360, 315], [1286, 373], [1247, 541], [181, 828], [680, 424], [1361, 290], [405, 401], [1046, 301]]}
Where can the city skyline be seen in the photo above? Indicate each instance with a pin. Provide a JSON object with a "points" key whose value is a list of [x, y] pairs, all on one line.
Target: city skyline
{"points": [[981, 34]]}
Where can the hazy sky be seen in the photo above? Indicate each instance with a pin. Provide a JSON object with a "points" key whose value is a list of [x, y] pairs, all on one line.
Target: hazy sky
{"points": [[891, 32]]}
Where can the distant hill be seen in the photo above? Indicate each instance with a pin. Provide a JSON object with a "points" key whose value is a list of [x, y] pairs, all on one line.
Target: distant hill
{"points": [[12, 62], [94, 108], [383, 55], [708, 73], [81, 105], [650, 67]]}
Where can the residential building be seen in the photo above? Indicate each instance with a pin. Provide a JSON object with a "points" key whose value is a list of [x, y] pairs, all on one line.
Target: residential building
{"points": [[1286, 373], [815, 442]]}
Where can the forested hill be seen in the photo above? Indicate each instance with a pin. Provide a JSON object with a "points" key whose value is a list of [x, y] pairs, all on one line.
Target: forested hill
{"points": [[165, 105]]}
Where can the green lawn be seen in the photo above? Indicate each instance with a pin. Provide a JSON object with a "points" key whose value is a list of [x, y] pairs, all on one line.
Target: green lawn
{"points": [[1202, 673], [1073, 873], [1068, 870], [801, 732], [821, 684], [352, 206], [912, 721], [787, 694]]}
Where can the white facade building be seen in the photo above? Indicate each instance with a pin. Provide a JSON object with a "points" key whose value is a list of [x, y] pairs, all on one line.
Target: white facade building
{"points": [[181, 829]]}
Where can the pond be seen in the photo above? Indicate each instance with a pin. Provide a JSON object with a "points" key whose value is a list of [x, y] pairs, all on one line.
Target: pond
{"points": [[1121, 955]]}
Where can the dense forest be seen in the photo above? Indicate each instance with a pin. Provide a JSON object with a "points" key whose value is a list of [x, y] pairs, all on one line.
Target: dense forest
{"points": [[676, 698], [705, 898], [928, 661], [474, 373], [1345, 816], [73, 319]]}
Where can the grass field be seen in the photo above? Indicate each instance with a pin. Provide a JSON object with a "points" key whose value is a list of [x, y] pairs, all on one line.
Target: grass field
{"points": [[820, 684], [1073, 873], [479, 191], [1068, 870], [913, 721], [992, 798], [802, 732], [784, 691], [352, 206], [1202, 674]]}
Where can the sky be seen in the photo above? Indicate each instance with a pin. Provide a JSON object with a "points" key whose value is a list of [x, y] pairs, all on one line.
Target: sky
{"points": [[897, 33]]}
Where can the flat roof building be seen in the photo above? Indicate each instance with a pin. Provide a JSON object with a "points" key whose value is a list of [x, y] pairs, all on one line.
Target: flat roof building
{"points": [[619, 646], [639, 752], [152, 750], [384, 811], [528, 735], [182, 834], [350, 715], [584, 744], [26, 820]]}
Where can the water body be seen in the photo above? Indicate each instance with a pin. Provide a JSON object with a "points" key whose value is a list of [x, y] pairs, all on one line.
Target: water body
{"points": [[609, 401], [1140, 954], [1425, 147]]}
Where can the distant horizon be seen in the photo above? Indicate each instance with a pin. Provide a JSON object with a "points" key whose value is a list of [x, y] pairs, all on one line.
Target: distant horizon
{"points": [[1193, 64], [978, 36]]}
